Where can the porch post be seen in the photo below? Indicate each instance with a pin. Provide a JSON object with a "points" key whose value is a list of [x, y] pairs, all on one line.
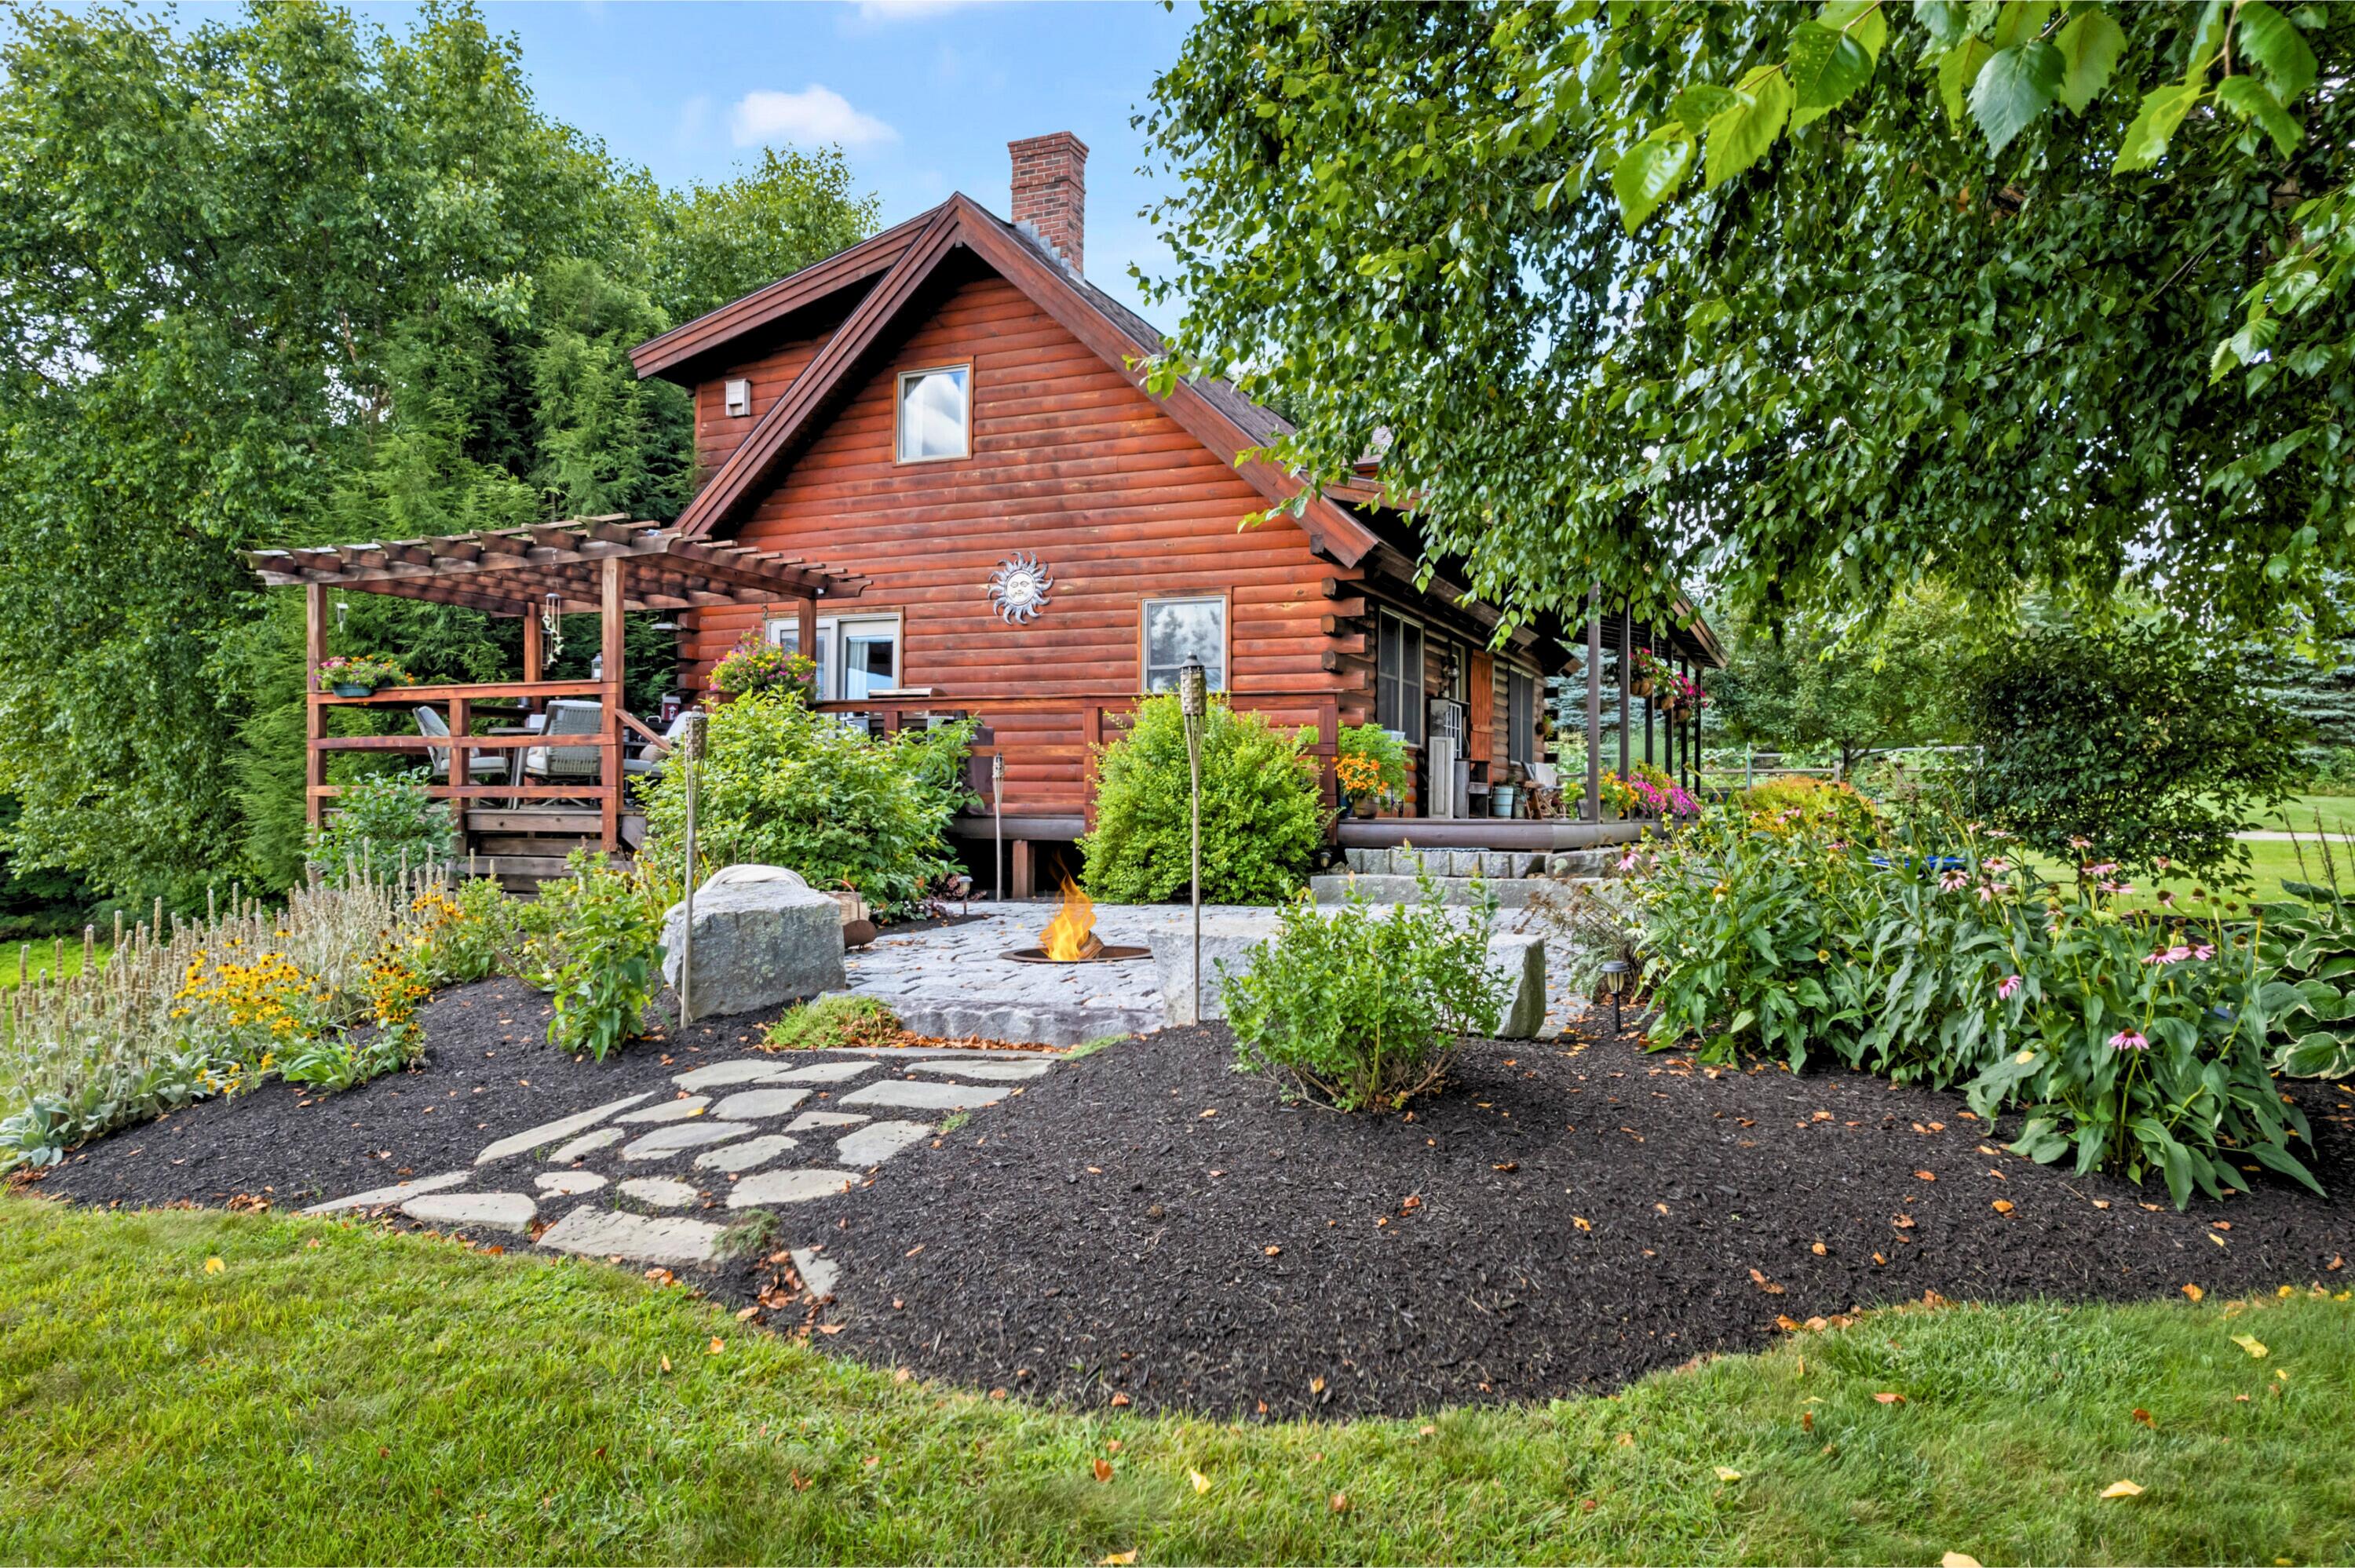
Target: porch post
{"points": [[1593, 809], [609, 741], [1626, 652], [315, 711], [805, 629]]}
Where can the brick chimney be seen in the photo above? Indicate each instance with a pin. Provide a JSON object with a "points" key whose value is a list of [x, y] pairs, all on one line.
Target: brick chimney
{"points": [[1051, 190]]}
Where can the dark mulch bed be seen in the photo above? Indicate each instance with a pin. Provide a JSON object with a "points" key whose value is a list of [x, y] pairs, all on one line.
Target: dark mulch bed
{"points": [[1103, 1236], [488, 1071]]}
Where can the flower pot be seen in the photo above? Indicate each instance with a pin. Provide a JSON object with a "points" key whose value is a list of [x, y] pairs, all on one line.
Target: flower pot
{"points": [[1641, 686], [1501, 799], [1362, 807], [352, 688]]}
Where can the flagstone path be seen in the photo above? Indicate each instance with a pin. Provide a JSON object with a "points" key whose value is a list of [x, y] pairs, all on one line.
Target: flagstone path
{"points": [[630, 1180]]}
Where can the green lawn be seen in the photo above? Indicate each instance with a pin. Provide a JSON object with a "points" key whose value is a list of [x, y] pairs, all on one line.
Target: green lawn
{"points": [[41, 957], [2336, 812], [334, 1393], [2271, 862]]}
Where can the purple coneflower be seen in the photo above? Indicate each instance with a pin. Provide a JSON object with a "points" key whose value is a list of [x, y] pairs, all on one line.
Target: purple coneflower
{"points": [[2128, 1039], [2008, 987]]}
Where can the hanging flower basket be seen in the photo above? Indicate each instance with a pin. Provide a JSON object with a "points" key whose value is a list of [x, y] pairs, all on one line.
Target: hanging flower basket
{"points": [[1641, 686], [360, 676]]}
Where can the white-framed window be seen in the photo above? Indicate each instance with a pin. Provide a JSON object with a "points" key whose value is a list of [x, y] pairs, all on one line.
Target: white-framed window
{"points": [[1181, 631], [934, 418], [1398, 676], [858, 655]]}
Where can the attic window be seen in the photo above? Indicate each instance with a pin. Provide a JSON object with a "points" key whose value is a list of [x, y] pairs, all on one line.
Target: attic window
{"points": [[740, 399], [935, 414]]}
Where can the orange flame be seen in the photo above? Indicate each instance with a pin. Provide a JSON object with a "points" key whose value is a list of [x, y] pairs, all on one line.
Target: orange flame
{"points": [[1071, 935]]}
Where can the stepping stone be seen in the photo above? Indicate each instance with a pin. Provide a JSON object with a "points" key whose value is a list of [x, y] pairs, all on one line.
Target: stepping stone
{"points": [[674, 1110], [817, 1072], [745, 1155], [754, 1104], [788, 1187], [688, 1134], [719, 1075], [549, 1132], [587, 1143], [818, 1277], [377, 1197], [920, 1095], [808, 1119], [878, 1142], [658, 1191], [568, 1183], [476, 1211], [594, 1232], [988, 1071]]}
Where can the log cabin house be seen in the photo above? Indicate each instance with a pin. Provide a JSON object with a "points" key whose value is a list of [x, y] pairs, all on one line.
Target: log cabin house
{"points": [[952, 421], [951, 411]]}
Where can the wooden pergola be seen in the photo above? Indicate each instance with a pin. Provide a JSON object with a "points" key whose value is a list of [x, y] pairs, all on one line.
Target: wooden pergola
{"points": [[602, 566]]}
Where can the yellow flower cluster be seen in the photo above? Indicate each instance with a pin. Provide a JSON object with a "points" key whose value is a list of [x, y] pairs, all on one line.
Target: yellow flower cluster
{"points": [[394, 990], [268, 988]]}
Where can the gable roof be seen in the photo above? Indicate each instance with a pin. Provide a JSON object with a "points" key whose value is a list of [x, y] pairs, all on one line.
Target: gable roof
{"points": [[894, 272]]}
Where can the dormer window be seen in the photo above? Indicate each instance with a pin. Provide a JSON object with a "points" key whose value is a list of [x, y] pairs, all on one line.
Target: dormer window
{"points": [[935, 414], [740, 399]]}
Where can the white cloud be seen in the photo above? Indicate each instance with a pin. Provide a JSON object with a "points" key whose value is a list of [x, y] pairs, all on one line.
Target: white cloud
{"points": [[814, 114]]}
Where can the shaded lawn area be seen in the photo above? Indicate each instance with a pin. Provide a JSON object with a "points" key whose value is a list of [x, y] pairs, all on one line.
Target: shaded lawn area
{"points": [[2298, 814], [2272, 862], [335, 1392]]}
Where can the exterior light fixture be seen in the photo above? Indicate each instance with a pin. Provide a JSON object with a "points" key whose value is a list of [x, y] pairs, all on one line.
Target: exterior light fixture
{"points": [[343, 612], [1615, 980], [1193, 704]]}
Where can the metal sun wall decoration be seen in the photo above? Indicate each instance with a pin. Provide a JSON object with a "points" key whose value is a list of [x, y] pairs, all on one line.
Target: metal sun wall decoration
{"points": [[1019, 589]]}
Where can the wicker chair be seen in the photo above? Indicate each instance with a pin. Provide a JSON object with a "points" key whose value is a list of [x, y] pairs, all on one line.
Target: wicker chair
{"points": [[481, 767]]}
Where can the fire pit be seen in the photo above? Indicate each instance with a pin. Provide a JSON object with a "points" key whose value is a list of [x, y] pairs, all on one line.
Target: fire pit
{"points": [[1071, 937]]}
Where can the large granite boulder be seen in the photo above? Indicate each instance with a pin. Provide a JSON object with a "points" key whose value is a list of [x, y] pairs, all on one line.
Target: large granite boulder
{"points": [[762, 936], [1517, 957]]}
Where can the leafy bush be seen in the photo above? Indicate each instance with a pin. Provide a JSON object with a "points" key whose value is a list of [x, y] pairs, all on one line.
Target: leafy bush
{"points": [[476, 932], [384, 822], [2136, 1042], [1263, 818], [1365, 1011], [783, 786], [603, 951], [2132, 745], [832, 1021], [1384, 751], [1820, 805]]}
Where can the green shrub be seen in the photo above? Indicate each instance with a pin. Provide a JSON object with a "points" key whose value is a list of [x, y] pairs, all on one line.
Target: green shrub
{"points": [[783, 786], [1820, 805], [2126, 746], [604, 953], [839, 1020], [1262, 820], [1365, 1012], [382, 822], [478, 931], [2133, 1043]]}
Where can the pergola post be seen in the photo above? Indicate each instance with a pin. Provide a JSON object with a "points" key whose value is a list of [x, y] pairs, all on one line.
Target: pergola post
{"points": [[1593, 809], [609, 724], [315, 711], [535, 654], [805, 631]]}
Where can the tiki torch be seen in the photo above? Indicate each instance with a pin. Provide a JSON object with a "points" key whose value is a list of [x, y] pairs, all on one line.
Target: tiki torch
{"points": [[1193, 703]]}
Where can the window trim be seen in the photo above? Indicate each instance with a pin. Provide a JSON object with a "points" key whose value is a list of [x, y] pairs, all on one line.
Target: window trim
{"points": [[899, 402], [776, 628], [1419, 733], [1226, 603]]}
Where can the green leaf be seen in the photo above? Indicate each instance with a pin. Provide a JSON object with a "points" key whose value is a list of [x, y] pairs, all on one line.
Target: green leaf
{"points": [[1648, 174], [1864, 21], [1958, 68], [1696, 105], [1825, 69], [2162, 111], [2246, 97], [1942, 19], [2021, 20], [2089, 48], [2019, 84], [2206, 41], [2270, 41], [1741, 135]]}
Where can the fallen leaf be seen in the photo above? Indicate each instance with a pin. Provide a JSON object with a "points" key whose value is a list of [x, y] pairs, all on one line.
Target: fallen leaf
{"points": [[998, 1394], [830, 1328], [2101, 1202], [1340, 1502], [214, 1266], [1806, 1421], [1508, 1165], [1104, 1469], [747, 1313], [1902, 1222], [2222, 1224], [2249, 1343], [2213, 1237], [1583, 1225], [2194, 1292], [1728, 1473], [1958, 1560], [665, 1363], [1886, 1397], [1426, 1431], [1768, 1286], [1315, 1386], [1819, 1249], [2001, 1205], [1411, 1203], [1119, 1401], [1273, 1251], [1120, 1559], [1211, 1112], [2335, 1265], [1925, 1176], [2142, 1415], [1625, 1439], [1201, 1482], [2122, 1490]]}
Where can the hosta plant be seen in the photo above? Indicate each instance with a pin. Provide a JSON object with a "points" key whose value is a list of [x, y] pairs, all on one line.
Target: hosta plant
{"points": [[2309, 942]]}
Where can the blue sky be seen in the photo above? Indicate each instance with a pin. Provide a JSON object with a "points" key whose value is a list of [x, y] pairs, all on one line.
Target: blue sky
{"points": [[922, 94]]}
